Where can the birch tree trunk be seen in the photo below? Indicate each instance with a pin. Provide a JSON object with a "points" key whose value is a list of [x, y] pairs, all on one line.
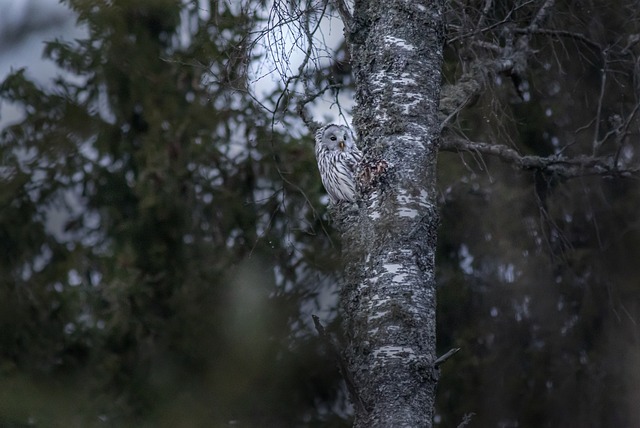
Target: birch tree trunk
{"points": [[388, 301]]}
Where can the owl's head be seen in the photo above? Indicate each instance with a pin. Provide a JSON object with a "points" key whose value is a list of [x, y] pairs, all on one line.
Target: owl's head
{"points": [[335, 137]]}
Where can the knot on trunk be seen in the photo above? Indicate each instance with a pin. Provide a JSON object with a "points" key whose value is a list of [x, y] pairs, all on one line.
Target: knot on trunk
{"points": [[370, 173]]}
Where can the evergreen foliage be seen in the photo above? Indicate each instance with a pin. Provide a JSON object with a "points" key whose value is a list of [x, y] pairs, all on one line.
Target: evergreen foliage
{"points": [[177, 290]]}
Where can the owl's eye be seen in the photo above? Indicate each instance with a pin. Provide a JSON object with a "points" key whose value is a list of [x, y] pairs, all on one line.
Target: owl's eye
{"points": [[333, 138], [345, 137]]}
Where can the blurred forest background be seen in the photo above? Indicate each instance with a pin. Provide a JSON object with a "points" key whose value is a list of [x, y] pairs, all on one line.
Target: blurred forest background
{"points": [[164, 237]]}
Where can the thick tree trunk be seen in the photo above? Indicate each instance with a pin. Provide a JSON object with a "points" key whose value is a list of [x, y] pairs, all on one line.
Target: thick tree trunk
{"points": [[388, 301]]}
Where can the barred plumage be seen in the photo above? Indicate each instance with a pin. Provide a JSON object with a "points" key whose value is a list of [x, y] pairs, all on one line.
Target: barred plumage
{"points": [[338, 157]]}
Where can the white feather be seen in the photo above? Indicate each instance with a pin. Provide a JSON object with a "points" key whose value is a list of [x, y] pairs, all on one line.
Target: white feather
{"points": [[338, 157]]}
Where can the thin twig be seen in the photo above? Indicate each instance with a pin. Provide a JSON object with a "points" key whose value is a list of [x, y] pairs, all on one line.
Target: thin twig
{"points": [[541, 15], [466, 420], [309, 97], [450, 353], [603, 82], [485, 11], [559, 33], [455, 112], [345, 15], [504, 21], [623, 132]]}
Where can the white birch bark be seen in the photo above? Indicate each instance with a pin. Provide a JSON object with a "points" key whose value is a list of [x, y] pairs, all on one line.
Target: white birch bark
{"points": [[388, 301]]}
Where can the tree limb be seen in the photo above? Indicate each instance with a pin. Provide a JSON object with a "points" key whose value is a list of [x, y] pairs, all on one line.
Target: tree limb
{"points": [[541, 15], [560, 33], [577, 166], [345, 15], [301, 107], [450, 353]]}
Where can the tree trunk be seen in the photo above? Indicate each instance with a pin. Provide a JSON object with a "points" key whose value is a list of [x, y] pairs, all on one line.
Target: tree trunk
{"points": [[388, 301]]}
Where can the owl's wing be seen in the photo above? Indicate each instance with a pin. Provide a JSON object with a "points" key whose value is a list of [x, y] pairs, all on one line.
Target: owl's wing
{"points": [[357, 153], [353, 158]]}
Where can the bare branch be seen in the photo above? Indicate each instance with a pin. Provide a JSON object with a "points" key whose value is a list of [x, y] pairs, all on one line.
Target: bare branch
{"points": [[345, 15], [541, 15], [485, 11], [622, 131], [308, 27], [560, 33], [466, 420], [309, 97], [450, 353], [504, 21], [467, 89], [577, 166], [603, 82], [510, 58]]}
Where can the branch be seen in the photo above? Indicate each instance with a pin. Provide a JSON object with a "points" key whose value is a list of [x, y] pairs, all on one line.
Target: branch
{"points": [[573, 167], [304, 18], [345, 15], [560, 33], [541, 15], [466, 420], [466, 91], [511, 59], [309, 97], [501, 23], [603, 83], [342, 365], [485, 12], [450, 353]]}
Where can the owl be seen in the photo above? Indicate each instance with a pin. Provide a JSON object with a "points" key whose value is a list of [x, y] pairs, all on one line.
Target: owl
{"points": [[338, 157]]}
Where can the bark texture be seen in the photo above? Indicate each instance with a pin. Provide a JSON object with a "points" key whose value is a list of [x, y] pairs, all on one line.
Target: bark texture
{"points": [[388, 300]]}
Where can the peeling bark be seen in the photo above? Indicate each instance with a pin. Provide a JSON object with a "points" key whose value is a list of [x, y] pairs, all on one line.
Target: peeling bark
{"points": [[388, 301]]}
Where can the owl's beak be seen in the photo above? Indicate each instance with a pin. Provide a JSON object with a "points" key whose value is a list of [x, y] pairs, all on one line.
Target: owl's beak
{"points": [[341, 145]]}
